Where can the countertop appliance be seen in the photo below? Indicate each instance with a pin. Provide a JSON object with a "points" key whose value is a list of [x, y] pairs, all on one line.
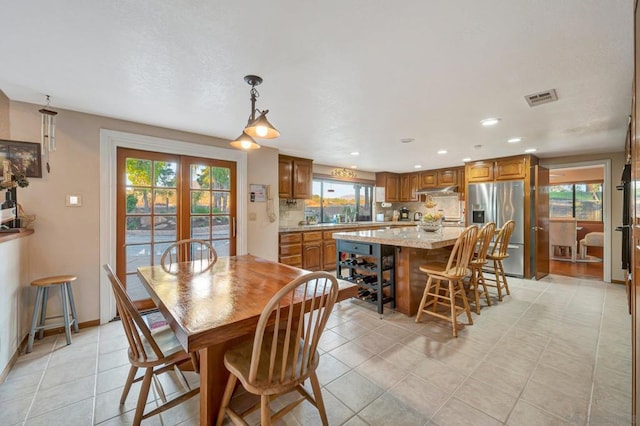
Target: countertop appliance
{"points": [[417, 216], [404, 214], [500, 202]]}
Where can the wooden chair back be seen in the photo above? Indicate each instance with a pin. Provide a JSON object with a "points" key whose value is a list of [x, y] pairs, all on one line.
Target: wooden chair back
{"points": [[501, 244], [484, 242], [200, 252], [300, 325], [135, 328], [462, 252]]}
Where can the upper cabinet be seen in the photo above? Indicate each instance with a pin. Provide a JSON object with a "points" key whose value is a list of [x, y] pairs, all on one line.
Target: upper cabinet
{"points": [[428, 179], [509, 168], [447, 177], [295, 177], [387, 187], [409, 186]]}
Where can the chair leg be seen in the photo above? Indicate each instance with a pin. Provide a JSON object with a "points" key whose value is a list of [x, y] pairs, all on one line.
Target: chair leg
{"points": [[484, 286], [465, 303], [474, 282], [226, 398], [423, 302], [142, 398], [504, 279], [496, 271], [127, 386], [34, 321], [65, 313], [317, 393], [72, 303], [265, 411], [436, 297], [452, 302], [43, 314]]}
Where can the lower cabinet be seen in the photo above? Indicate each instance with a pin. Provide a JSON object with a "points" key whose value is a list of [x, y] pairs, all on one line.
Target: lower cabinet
{"points": [[312, 251], [328, 251], [290, 249]]}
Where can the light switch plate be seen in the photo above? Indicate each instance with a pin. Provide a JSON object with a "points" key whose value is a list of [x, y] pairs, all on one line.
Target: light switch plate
{"points": [[74, 200]]}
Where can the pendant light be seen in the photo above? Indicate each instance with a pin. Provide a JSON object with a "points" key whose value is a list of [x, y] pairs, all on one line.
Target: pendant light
{"points": [[256, 127]]}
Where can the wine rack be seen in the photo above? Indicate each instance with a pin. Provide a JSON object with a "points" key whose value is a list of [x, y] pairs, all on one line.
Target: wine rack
{"points": [[372, 268]]}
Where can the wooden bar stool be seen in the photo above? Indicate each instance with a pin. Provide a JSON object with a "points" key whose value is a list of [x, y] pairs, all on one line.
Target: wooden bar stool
{"points": [[40, 308]]}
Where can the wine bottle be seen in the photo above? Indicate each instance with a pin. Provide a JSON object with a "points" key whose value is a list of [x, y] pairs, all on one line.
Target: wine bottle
{"points": [[10, 204]]}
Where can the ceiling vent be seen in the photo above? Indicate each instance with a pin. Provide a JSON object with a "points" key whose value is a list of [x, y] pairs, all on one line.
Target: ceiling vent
{"points": [[542, 97]]}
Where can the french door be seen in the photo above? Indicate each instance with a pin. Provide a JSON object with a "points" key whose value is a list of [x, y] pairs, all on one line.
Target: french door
{"points": [[163, 198]]}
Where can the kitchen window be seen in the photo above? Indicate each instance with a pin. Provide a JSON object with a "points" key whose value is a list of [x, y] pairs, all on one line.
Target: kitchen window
{"points": [[335, 200], [580, 200]]}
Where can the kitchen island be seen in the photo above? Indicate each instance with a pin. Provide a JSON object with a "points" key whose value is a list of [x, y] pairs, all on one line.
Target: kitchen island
{"points": [[413, 247]]}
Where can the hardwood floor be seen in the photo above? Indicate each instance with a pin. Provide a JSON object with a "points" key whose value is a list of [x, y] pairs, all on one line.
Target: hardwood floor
{"points": [[588, 270]]}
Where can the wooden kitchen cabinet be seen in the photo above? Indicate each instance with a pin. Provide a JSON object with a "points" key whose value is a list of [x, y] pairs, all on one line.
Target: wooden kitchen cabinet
{"points": [[295, 177], [387, 187], [312, 251], [428, 179], [408, 186], [328, 252], [511, 168], [447, 177], [290, 249], [479, 171]]}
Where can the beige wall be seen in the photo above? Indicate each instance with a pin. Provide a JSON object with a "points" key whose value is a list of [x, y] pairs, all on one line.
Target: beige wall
{"points": [[617, 164], [4, 116], [66, 239]]}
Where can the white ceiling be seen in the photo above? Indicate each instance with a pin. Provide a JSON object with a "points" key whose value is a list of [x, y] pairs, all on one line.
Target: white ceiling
{"points": [[339, 76]]}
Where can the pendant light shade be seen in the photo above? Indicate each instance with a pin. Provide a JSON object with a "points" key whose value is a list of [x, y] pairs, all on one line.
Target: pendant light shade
{"points": [[256, 127], [261, 128], [244, 141]]}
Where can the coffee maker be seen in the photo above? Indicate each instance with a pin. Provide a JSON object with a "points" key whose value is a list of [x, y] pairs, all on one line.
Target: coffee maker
{"points": [[404, 214]]}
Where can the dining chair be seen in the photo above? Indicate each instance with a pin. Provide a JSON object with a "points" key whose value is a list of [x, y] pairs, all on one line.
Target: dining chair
{"points": [[453, 273], [478, 262], [497, 255], [283, 353], [156, 351], [200, 252]]}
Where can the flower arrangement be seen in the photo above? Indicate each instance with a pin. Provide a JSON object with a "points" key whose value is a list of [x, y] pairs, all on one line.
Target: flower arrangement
{"points": [[13, 177]]}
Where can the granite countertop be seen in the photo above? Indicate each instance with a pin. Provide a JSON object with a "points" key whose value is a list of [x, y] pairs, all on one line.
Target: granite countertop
{"points": [[405, 237], [323, 226]]}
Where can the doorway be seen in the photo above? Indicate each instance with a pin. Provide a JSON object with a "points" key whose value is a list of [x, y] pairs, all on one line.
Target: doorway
{"points": [[581, 191], [163, 198]]}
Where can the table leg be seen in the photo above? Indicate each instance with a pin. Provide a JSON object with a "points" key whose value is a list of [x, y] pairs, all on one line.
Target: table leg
{"points": [[213, 377]]}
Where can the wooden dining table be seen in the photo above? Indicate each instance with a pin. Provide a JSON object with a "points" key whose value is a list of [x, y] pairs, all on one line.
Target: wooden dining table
{"points": [[213, 309]]}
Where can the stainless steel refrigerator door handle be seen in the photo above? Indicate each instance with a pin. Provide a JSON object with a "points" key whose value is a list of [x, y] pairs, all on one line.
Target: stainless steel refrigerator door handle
{"points": [[234, 227]]}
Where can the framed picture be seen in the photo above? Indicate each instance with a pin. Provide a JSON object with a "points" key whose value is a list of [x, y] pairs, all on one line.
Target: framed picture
{"points": [[23, 156]]}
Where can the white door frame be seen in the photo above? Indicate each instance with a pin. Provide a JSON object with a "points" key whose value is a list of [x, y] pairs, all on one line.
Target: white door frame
{"points": [[606, 212], [110, 140]]}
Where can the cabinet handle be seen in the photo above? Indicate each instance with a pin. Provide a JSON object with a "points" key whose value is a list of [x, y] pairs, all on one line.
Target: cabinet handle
{"points": [[234, 227]]}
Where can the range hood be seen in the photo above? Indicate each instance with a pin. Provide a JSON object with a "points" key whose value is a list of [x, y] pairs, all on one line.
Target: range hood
{"points": [[445, 190]]}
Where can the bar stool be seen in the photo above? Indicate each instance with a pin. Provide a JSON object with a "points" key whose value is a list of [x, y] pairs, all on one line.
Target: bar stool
{"points": [[40, 308]]}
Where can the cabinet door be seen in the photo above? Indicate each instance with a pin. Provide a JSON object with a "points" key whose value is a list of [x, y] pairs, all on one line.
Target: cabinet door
{"points": [[461, 184], [329, 255], [480, 171], [312, 256], [285, 172], [414, 183], [447, 177], [511, 168], [302, 179], [428, 179], [405, 188], [391, 188]]}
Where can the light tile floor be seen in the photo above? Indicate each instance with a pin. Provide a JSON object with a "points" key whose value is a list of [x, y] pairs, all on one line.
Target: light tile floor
{"points": [[557, 351]]}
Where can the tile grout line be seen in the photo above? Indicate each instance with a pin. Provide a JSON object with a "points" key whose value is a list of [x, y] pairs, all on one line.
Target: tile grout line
{"points": [[595, 362], [44, 371]]}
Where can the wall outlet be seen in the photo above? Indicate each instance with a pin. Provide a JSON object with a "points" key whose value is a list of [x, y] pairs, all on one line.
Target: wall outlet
{"points": [[74, 200]]}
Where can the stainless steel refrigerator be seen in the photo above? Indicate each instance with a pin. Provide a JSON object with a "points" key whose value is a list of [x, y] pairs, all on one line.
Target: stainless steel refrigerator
{"points": [[500, 202]]}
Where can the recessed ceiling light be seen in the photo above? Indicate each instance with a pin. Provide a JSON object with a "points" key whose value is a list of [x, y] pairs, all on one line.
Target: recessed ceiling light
{"points": [[442, 151], [489, 122], [466, 160], [354, 167], [355, 153], [514, 140], [530, 150], [406, 140], [417, 166]]}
